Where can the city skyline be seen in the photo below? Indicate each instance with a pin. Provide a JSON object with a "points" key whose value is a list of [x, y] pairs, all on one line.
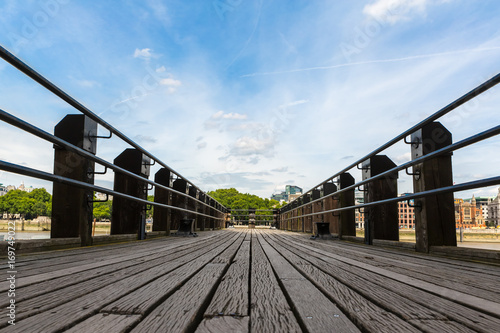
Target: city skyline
{"points": [[255, 95]]}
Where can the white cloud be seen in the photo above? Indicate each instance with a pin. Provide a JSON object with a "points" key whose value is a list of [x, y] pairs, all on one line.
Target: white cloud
{"points": [[171, 82], [235, 116], [144, 53], [161, 69], [246, 146], [393, 11]]}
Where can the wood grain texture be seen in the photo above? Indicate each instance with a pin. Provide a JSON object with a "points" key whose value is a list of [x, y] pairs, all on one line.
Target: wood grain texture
{"points": [[410, 303], [224, 324], [260, 280], [180, 311], [269, 309], [361, 311], [316, 311], [103, 322], [231, 297], [143, 299]]}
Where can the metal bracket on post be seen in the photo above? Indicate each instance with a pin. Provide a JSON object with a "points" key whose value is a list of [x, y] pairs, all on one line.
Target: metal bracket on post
{"points": [[99, 137], [90, 172], [415, 174], [418, 206], [415, 142]]}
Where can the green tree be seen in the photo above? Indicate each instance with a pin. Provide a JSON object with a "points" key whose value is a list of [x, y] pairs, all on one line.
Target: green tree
{"points": [[233, 199], [102, 210]]}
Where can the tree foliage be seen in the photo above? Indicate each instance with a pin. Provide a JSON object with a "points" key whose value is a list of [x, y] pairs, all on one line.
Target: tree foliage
{"points": [[33, 204], [233, 199]]}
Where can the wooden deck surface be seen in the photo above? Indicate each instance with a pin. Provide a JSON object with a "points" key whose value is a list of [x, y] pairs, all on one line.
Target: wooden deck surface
{"points": [[242, 280]]}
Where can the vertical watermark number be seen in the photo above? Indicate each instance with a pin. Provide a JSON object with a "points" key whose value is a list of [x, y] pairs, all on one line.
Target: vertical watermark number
{"points": [[11, 273]]}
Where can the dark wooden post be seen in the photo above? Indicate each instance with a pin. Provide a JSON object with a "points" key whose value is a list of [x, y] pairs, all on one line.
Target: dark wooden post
{"points": [[129, 217], [71, 206], [193, 205], [179, 201], [251, 218], [317, 207], [212, 214], [202, 209], [346, 199], [328, 204], [276, 218], [307, 210], [434, 215], [381, 221], [161, 216]]}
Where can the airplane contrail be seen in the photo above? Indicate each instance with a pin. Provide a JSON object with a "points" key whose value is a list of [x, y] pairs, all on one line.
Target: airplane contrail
{"points": [[372, 61]]}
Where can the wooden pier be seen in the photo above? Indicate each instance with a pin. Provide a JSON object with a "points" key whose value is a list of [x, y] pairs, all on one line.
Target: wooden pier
{"points": [[257, 280]]}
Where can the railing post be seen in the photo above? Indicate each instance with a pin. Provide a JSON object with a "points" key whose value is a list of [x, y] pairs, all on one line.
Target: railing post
{"points": [[71, 206], [202, 209], [193, 205], [251, 218], [307, 210], [434, 215], [346, 199], [317, 207], [212, 214], [381, 221], [179, 201], [161, 216], [129, 217], [331, 203]]}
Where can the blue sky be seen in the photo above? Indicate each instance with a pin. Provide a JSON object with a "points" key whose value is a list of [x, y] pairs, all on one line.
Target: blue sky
{"points": [[254, 94]]}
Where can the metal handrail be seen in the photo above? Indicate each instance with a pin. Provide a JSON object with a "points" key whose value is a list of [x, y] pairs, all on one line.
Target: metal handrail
{"points": [[19, 169], [450, 148], [440, 113], [27, 127], [455, 188], [30, 72]]}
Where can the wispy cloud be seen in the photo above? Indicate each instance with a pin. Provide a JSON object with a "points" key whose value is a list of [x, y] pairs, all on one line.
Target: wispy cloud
{"points": [[222, 115], [142, 53], [351, 64], [393, 11]]}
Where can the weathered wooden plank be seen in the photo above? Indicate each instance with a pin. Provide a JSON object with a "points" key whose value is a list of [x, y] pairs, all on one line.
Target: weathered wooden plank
{"points": [[452, 277], [183, 311], [478, 303], [73, 310], [412, 304], [269, 309], [316, 311], [231, 298], [153, 258], [103, 322], [364, 313], [224, 324], [32, 279], [143, 299]]}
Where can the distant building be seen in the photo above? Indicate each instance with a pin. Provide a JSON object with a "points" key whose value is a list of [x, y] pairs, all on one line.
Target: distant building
{"points": [[494, 211], [468, 214], [359, 213], [291, 189], [406, 214], [291, 193], [279, 197], [3, 190]]}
